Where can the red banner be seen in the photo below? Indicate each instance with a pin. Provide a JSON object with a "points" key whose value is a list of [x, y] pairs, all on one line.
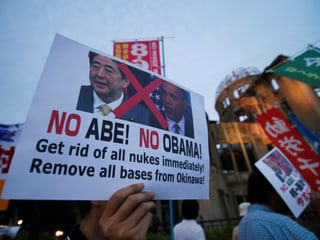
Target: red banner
{"points": [[285, 137], [145, 54]]}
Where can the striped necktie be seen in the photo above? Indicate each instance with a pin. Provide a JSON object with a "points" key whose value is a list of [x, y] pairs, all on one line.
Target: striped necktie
{"points": [[176, 128]]}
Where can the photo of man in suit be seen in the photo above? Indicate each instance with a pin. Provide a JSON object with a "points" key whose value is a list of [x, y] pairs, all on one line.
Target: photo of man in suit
{"points": [[176, 110], [106, 91]]}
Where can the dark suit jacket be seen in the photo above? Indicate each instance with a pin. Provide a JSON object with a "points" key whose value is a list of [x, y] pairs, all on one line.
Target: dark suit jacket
{"points": [[189, 132], [138, 113]]}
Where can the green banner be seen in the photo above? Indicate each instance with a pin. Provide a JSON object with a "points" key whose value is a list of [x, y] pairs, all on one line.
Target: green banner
{"points": [[304, 68]]}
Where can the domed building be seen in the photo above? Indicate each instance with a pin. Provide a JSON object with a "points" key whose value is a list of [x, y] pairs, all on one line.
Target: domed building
{"points": [[239, 139]]}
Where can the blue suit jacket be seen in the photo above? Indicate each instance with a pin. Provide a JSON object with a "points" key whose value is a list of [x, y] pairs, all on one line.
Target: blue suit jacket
{"points": [[138, 113], [189, 131]]}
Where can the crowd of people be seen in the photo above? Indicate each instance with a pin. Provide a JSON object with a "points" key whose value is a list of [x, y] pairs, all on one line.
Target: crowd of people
{"points": [[128, 215]]}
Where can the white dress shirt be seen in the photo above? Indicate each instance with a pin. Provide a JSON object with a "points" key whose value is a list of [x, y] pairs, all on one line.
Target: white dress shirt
{"points": [[188, 229], [97, 101]]}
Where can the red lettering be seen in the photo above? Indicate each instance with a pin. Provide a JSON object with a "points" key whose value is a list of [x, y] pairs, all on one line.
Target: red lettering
{"points": [[149, 139], [6, 158], [71, 126], [77, 120]]}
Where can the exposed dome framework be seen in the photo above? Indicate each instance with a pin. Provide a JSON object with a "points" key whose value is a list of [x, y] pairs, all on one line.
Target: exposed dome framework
{"points": [[237, 74]]}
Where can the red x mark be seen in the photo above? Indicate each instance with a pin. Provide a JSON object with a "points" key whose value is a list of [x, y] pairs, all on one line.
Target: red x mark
{"points": [[141, 95]]}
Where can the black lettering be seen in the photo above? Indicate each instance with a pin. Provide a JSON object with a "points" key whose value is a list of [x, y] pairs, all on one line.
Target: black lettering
{"points": [[43, 146], [60, 169], [47, 167], [118, 133], [38, 166], [36, 163], [166, 142], [106, 131], [146, 159], [137, 174], [93, 129], [40, 146]]}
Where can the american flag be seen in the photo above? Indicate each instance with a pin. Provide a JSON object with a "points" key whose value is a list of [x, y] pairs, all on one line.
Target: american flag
{"points": [[145, 79], [155, 96], [142, 85]]}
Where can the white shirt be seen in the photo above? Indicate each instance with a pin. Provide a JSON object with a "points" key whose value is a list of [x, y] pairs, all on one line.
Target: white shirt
{"points": [[97, 101], [188, 229]]}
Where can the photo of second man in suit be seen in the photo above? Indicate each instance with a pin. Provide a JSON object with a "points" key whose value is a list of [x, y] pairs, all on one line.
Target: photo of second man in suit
{"points": [[176, 109]]}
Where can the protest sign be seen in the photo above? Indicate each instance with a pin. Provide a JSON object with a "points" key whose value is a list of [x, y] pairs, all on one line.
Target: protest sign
{"points": [[69, 150], [9, 134], [286, 180], [286, 137]]}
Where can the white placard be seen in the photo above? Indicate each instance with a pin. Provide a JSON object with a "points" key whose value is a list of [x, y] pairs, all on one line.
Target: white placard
{"points": [[286, 180], [65, 153]]}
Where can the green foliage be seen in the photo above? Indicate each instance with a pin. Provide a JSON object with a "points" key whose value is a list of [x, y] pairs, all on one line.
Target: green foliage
{"points": [[159, 236], [223, 233]]}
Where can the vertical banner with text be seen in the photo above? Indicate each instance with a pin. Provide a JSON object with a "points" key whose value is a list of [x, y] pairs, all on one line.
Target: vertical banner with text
{"points": [[284, 136], [145, 54]]}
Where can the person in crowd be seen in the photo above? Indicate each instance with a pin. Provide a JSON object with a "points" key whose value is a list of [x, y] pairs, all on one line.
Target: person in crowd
{"points": [[243, 208], [126, 215], [315, 202], [268, 215], [176, 110], [106, 91], [188, 228]]}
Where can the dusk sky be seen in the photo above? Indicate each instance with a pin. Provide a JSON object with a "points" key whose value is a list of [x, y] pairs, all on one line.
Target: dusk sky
{"points": [[204, 40]]}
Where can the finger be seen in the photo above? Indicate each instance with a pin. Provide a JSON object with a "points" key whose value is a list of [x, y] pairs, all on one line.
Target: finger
{"points": [[138, 214], [119, 196], [138, 231], [141, 228], [131, 203]]}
